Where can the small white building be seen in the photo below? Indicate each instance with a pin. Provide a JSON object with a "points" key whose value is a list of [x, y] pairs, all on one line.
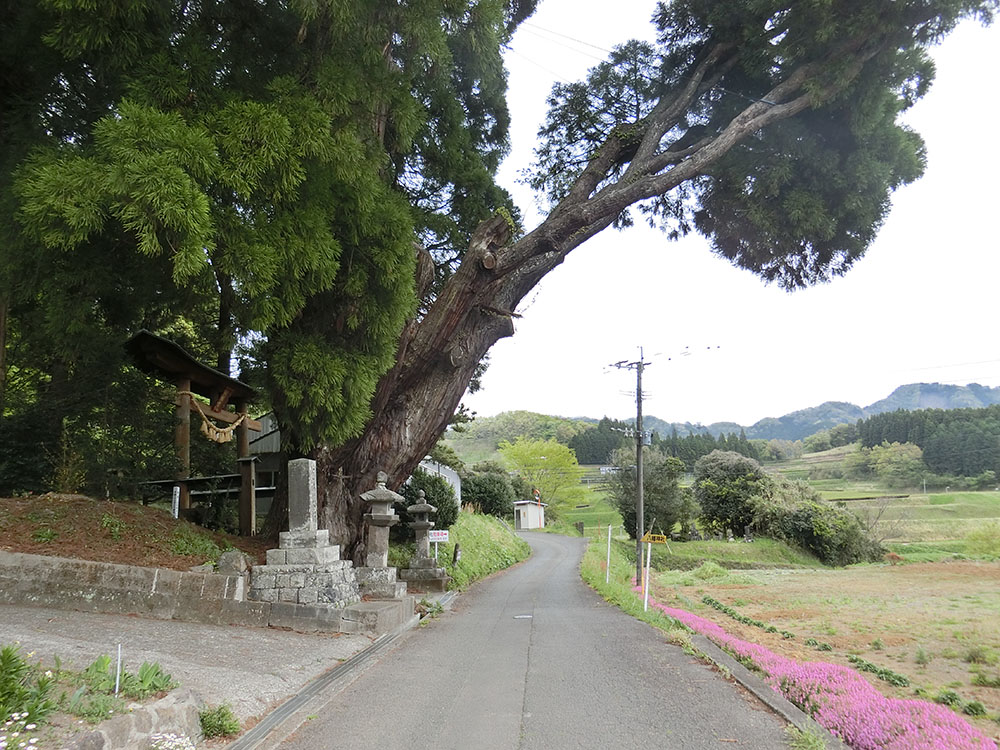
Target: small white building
{"points": [[529, 514]]}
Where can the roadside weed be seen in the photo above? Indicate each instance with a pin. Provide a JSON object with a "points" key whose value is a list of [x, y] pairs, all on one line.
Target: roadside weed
{"points": [[804, 740], [218, 721]]}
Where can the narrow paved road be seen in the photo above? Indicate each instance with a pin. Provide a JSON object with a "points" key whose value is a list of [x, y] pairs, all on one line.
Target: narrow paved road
{"points": [[532, 658]]}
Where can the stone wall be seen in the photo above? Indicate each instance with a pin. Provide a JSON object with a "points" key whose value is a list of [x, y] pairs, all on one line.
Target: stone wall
{"points": [[212, 598]]}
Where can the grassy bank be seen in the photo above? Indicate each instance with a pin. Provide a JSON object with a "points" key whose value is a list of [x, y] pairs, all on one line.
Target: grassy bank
{"points": [[487, 546], [618, 588]]}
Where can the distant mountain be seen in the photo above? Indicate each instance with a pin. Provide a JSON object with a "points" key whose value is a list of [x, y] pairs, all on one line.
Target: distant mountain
{"points": [[936, 396], [805, 422]]}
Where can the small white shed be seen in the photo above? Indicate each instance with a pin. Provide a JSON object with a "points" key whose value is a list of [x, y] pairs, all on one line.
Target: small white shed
{"points": [[529, 514]]}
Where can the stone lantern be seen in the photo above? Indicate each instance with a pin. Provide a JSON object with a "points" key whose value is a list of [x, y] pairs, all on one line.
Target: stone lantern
{"points": [[423, 573], [380, 516], [421, 524], [376, 579]]}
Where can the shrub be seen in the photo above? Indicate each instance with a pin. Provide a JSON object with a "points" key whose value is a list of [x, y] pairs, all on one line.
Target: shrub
{"points": [[835, 536], [724, 485], [437, 491], [797, 514], [491, 492], [974, 708], [218, 722], [948, 698]]}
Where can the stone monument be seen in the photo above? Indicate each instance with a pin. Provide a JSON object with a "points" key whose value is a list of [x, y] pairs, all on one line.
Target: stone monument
{"points": [[306, 568], [423, 573], [377, 580]]}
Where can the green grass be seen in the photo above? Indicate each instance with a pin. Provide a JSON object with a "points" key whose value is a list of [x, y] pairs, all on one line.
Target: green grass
{"points": [[487, 546], [596, 517], [930, 551], [474, 450], [761, 553], [618, 589]]}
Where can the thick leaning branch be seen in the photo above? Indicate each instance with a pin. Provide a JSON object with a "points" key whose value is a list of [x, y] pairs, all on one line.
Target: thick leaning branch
{"points": [[439, 353], [668, 113]]}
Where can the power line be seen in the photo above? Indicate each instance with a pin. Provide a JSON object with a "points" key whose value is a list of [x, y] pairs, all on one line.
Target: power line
{"points": [[607, 51]]}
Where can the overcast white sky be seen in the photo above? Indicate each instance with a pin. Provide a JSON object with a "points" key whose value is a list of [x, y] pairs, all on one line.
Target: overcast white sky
{"points": [[921, 306]]}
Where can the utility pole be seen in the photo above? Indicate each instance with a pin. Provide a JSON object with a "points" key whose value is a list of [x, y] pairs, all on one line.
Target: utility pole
{"points": [[638, 366]]}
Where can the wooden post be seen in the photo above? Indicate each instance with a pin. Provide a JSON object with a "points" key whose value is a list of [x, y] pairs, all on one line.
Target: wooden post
{"points": [[182, 439], [248, 475]]}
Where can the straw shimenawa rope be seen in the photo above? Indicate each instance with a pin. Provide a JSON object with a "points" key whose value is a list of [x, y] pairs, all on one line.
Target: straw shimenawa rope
{"points": [[208, 429]]}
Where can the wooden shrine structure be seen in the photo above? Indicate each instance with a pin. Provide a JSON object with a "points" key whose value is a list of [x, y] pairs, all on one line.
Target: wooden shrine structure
{"points": [[165, 360]]}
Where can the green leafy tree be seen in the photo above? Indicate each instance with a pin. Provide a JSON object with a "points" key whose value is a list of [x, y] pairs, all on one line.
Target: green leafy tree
{"points": [[725, 486], [818, 442], [898, 465], [666, 505], [266, 169], [547, 465], [858, 463]]}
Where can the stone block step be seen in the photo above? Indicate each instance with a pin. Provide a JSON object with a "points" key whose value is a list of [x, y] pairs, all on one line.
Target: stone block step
{"points": [[377, 617]]}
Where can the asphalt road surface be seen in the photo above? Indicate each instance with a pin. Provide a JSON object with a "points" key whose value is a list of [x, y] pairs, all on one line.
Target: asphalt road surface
{"points": [[532, 658]]}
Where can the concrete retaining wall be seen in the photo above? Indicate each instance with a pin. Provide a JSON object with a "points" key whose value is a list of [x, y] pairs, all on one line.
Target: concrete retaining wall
{"points": [[124, 589], [211, 598]]}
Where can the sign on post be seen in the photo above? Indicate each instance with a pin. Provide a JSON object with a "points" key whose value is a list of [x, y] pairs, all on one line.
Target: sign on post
{"points": [[437, 535], [653, 538], [175, 505]]}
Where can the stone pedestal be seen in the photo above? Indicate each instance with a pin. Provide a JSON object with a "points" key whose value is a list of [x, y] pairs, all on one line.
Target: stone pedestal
{"points": [[423, 573], [305, 568], [376, 579]]}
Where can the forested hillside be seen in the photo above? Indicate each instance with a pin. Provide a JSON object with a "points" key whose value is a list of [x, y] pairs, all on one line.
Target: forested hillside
{"points": [[963, 442]]}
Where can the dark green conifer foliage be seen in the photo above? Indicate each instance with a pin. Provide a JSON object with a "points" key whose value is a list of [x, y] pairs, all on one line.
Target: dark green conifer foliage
{"points": [[252, 177]]}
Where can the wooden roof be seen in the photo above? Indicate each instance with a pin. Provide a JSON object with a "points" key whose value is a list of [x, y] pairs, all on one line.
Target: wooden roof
{"points": [[165, 360]]}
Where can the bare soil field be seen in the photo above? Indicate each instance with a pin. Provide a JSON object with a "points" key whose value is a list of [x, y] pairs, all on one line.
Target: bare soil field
{"points": [[936, 623]]}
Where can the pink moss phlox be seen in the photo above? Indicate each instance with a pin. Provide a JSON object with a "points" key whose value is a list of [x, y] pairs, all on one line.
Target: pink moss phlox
{"points": [[844, 702]]}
